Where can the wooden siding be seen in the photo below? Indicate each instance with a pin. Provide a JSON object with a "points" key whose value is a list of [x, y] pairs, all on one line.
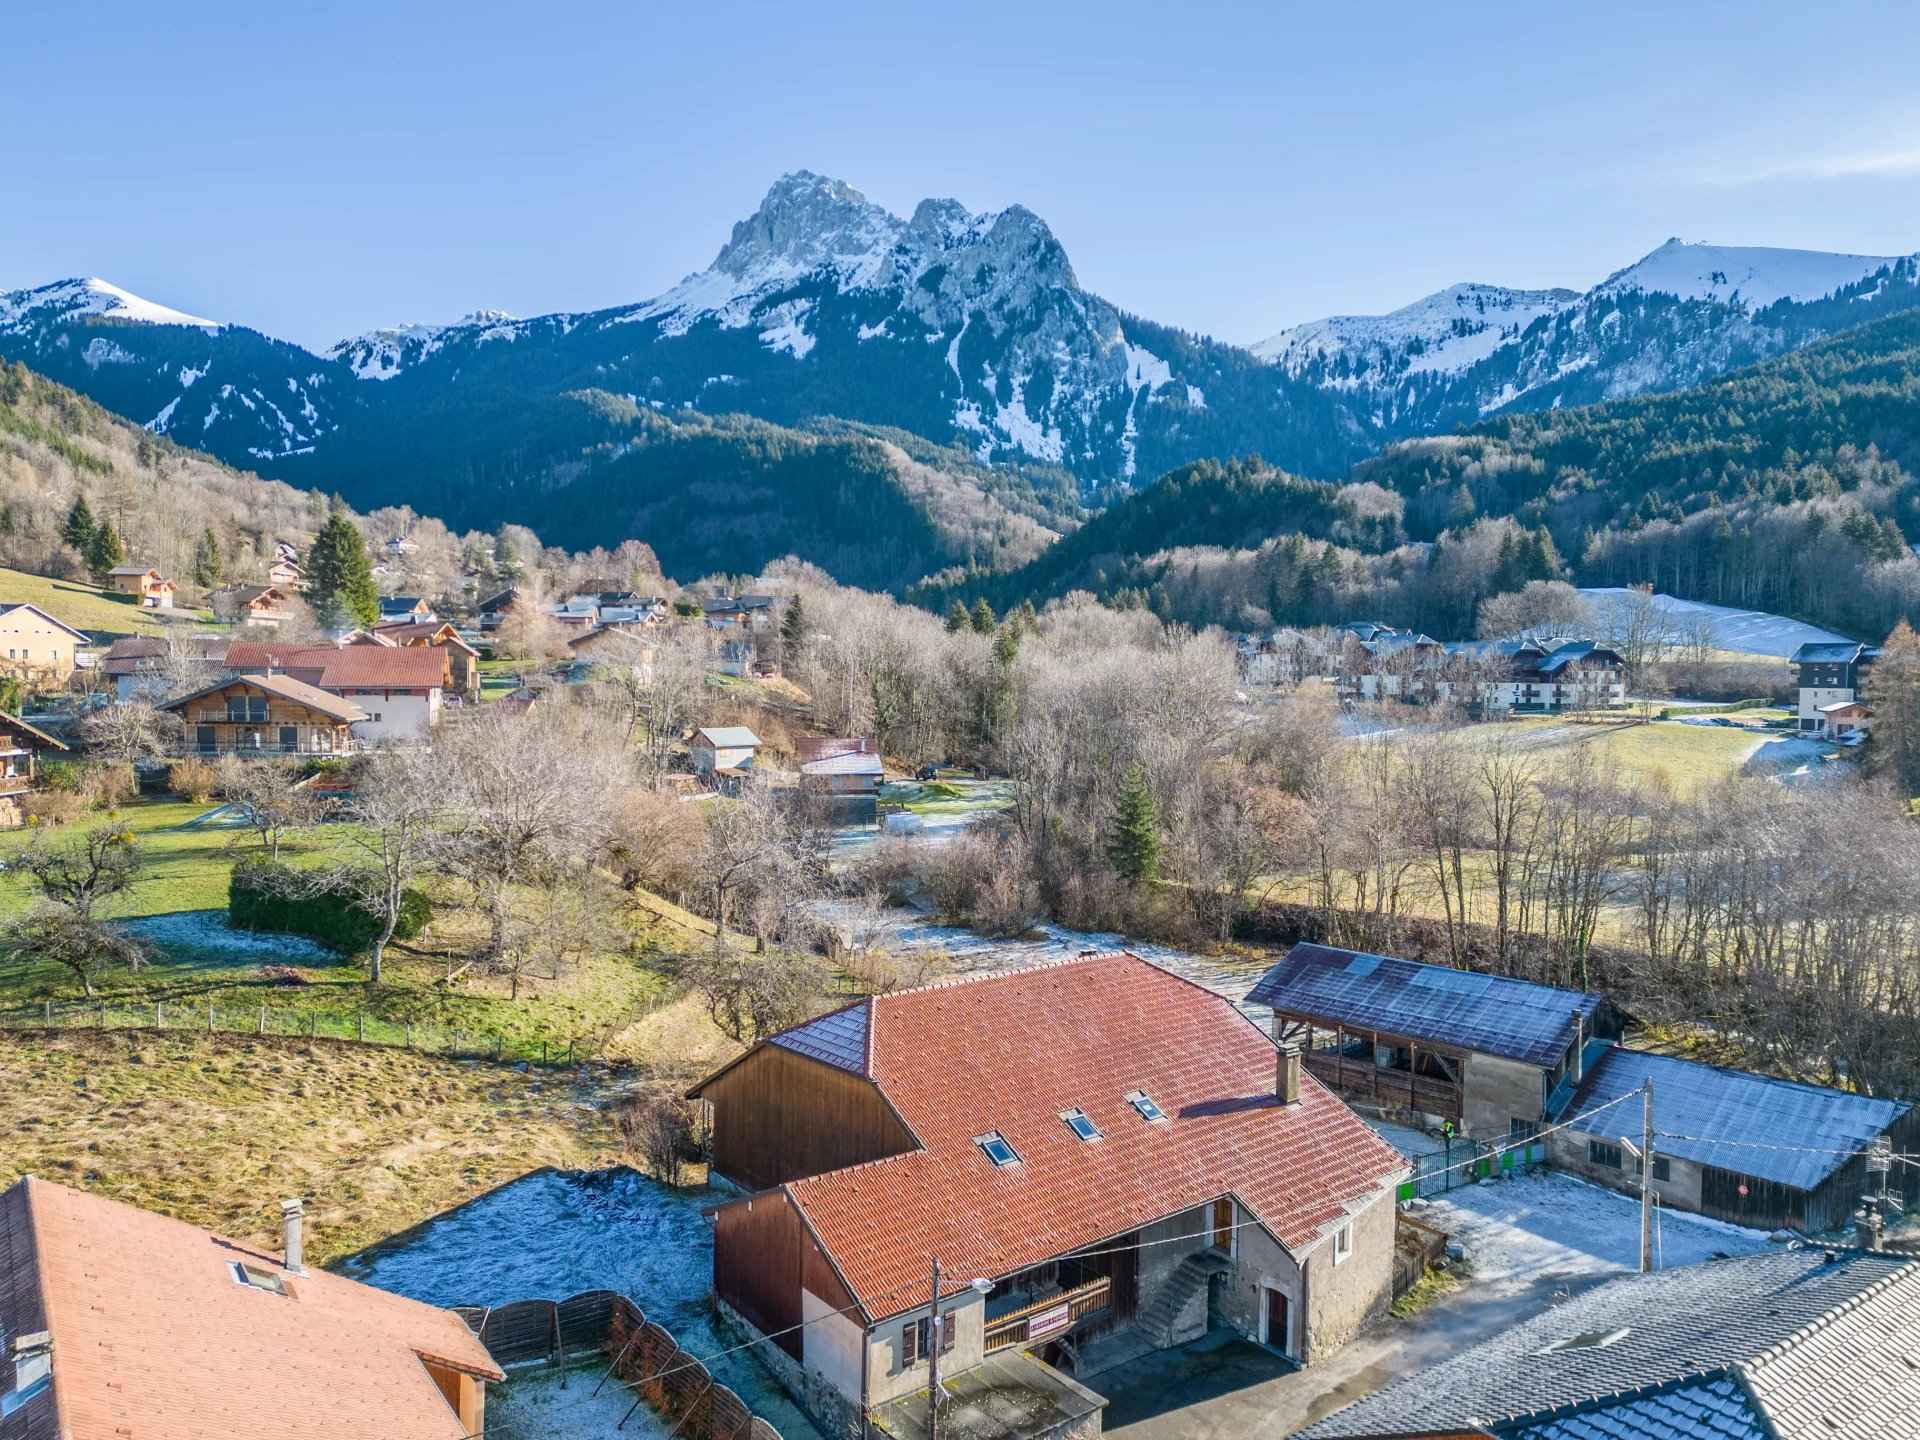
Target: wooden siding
{"points": [[762, 1258], [779, 1116]]}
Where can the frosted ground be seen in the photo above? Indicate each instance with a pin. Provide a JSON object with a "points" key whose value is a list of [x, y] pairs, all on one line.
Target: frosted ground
{"points": [[1751, 632], [549, 1235]]}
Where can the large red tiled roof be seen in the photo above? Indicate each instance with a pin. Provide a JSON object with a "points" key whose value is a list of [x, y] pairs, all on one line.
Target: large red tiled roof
{"points": [[154, 1339], [333, 667], [1009, 1053]]}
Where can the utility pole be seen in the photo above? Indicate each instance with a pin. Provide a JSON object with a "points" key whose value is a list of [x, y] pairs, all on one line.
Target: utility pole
{"points": [[933, 1359], [1646, 1176]]}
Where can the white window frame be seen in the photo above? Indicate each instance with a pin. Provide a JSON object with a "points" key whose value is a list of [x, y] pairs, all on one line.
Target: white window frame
{"points": [[1343, 1244]]}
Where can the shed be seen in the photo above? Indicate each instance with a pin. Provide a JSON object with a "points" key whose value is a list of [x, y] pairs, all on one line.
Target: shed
{"points": [[722, 747], [1496, 1055], [1740, 1147]]}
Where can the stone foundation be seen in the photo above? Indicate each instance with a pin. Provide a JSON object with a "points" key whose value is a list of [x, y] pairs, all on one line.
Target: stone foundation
{"points": [[837, 1415]]}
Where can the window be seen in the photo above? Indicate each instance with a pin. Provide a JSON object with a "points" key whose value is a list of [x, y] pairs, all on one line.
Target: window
{"points": [[1586, 1340], [913, 1339], [1149, 1111], [256, 1278], [1518, 1129], [1662, 1168], [997, 1149], [1078, 1122], [1342, 1243], [32, 1373], [1601, 1153]]}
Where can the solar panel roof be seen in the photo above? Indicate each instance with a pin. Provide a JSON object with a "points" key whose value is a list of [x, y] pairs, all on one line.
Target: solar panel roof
{"points": [[1493, 1014]]}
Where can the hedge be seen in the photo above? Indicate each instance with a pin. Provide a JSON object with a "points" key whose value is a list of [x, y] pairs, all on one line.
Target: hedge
{"points": [[259, 898]]}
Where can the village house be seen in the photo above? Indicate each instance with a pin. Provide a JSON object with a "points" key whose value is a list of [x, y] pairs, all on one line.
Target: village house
{"points": [[1494, 1056], [285, 573], [463, 660], [494, 610], [266, 715], [1794, 1343], [849, 770], [1093, 1147], [1845, 720], [144, 583], [264, 605], [716, 748], [21, 746], [404, 610], [1748, 1149], [145, 667], [1491, 677], [39, 649], [400, 690], [121, 1323], [615, 645], [1830, 672]]}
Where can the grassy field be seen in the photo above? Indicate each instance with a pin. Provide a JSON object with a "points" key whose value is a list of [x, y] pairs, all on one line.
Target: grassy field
{"points": [[86, 607], [214, 1130], [593, 1004], [1689, 756]]}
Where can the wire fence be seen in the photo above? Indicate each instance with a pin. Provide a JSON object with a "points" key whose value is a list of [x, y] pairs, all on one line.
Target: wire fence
{"points": [[210, 1017]]}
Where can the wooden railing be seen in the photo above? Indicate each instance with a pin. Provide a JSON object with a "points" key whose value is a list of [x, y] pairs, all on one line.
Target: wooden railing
{"points": [[1044, 1319], [1397, 1088]]}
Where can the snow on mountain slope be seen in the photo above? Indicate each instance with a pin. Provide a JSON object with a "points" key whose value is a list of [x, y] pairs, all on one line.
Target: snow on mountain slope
{"points": [[1756, 276], [1445, 332], [66, 299], [383, 354]]}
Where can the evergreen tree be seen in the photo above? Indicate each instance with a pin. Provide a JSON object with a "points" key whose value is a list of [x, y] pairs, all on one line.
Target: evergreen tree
{"points": [[506, 563], [206, 560], [957, 617], [1029, 618], [104, 552], [7, 522], [982, 616], [340, 584], [1133, 831], [793, 631], [1893, 689], [79, 527]]}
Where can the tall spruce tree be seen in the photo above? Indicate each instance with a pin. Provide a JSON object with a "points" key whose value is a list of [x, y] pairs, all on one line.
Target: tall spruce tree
{"points": [[1133, 832], [340, 584], [104, 552], [793, 632], [982, 616], [957, 617], [78, 529], [206, 560]]}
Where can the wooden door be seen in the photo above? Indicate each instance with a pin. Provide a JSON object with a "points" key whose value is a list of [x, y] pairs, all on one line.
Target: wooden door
{"points": [[1223, 1224], [1277, 1332]]}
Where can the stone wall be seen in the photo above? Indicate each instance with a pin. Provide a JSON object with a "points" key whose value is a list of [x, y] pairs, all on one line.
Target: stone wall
{"points": [[1344, 1295], [838, 1415]]}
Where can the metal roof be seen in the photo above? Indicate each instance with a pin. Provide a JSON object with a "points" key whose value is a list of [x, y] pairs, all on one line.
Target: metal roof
{"points": [[1493, 1014], [838, 1038], [1810, 1331], [1832, 652], [1715, 1407], [1737, 1116], [727, 737], [844, 765]]}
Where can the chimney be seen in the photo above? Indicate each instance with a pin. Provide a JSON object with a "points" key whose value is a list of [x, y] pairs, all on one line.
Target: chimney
{"points": [[1866, 1228], [1287, 1073], [292, 1215]]}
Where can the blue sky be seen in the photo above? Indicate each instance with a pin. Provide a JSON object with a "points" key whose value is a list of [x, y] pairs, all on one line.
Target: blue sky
{"points": [[318, 170]]}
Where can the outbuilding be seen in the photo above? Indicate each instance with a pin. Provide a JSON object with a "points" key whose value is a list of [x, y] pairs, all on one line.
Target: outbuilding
{"points": [[722, 747]]}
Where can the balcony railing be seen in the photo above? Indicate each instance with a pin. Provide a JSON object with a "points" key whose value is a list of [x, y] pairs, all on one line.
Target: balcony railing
{"points": [[1359, 1078], [265, 747], [1044, 1319]]}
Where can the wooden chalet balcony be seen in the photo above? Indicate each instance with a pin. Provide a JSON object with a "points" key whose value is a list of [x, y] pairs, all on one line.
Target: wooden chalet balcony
{"points": [[1044, 1319], [1362, 1080]]}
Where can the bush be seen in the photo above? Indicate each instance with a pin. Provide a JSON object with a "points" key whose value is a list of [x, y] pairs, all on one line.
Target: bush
{"points": [[196, 780], [265, 896], [108, 787], [61, 775], [54, 807]]}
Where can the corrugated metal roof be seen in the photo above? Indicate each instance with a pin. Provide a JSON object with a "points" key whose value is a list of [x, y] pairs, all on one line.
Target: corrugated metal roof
{"points": [[727, 737], [1738, 1114], [1494, 1014], [1709, 1408], [838, 1039], [844, 765]]}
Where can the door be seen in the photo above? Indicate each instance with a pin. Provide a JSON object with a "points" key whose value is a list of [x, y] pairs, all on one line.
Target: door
{"points": [[1223, 1225], [203, 739], [289, 738], [1277, 1330]]}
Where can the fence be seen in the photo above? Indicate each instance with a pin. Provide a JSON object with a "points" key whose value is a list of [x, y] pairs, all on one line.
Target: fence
{"points": [[1465, 1162], [643, 1356], [1416, 1246], [210, 1017]]}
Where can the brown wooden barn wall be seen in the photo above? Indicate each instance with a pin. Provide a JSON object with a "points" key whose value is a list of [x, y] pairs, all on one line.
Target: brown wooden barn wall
{"points": [[778, 1116]]}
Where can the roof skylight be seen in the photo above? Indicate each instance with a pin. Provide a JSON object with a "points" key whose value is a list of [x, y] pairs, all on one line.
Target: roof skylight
{"points": [[1078, 1122], [995, 1145], [1149, 1111], [255, 1278]]}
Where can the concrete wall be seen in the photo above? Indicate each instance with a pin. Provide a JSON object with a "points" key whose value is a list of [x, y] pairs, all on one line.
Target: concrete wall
{"points": [[888, 1378], [1262, 1265], [404, 717], [1496, 1092], [831, 1345], [1345, 1294], [1567, 1150]]}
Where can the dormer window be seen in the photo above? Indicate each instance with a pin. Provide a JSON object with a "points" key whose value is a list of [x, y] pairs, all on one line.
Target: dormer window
{"points": [[994, 1145], [1149, 1111], [1077, 1121], [256, 1278]]}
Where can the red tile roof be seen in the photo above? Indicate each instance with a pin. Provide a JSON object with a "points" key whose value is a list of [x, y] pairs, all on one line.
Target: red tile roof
{"points": [[1009, 1053], [154, 1339], [332, 667]]}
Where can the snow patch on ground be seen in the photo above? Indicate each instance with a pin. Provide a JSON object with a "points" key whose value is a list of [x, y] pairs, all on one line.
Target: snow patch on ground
{"points": [[1755, 275], [207, 932], [1752, 632], [1550, 1226], [159, 423], [548, 1404], [785, 330]]}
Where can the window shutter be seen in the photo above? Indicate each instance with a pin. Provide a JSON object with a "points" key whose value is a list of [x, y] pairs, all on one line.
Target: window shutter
{"points": [[909, 1338], [946, 1332]]}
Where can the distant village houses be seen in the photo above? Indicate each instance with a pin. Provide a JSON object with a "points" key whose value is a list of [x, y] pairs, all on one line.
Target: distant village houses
{"points": [[1831, 676], [144, 583], [39, 649]]}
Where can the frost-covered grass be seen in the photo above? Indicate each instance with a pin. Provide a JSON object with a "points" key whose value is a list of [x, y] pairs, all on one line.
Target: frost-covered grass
{"points": [[205, 933], [1746, 632], [215, 1129], [547, 1404]]}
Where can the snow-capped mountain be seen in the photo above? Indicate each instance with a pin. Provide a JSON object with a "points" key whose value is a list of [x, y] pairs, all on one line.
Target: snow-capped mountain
{"points": [[1681, 315], [73, 299], [383, 354]]}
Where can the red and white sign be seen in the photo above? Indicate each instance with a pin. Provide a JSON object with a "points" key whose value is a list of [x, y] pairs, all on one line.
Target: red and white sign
{"points": [[1049, 1322]]}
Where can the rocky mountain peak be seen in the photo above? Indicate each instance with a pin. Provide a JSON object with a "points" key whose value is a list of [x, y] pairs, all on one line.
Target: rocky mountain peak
{"points": [[807, 220]]}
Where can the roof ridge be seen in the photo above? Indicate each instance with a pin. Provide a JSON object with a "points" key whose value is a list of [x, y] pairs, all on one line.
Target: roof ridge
{"points": [[1734, 1070], [1009, 972], [1779, 1349]]}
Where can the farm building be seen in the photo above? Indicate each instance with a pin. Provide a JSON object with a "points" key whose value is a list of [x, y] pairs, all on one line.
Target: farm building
{"points": [[1494, 1055], [1740, 1147], [1789, 1344], [1101, 1145], [122, 1323], [847, 770]]}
